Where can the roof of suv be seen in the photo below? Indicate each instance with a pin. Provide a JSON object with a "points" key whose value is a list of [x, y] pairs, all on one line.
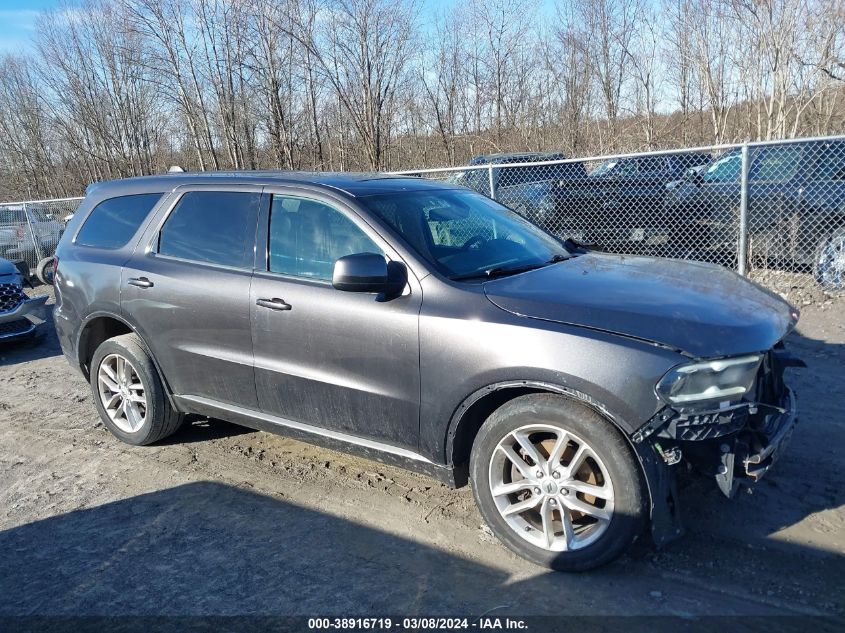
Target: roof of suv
{"points": [[354, 184]]}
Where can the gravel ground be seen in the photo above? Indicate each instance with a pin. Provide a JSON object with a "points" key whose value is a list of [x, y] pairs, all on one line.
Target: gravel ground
{"points": [[223, 520]]}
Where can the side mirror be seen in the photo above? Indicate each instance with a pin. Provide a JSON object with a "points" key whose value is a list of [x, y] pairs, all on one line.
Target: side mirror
{"points": [[694, 174], [371, 273]]}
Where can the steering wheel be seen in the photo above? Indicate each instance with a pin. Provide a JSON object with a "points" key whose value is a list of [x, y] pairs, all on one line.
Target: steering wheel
{"points": [[472, 241]]}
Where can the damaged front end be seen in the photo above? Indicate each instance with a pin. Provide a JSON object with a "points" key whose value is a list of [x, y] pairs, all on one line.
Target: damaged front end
{"points": [[736, 441]]}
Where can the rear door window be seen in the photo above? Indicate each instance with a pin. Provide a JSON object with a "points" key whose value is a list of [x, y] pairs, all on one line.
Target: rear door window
{"points": [[627, 167], [217, 227], [113, 222], [651, 164]]}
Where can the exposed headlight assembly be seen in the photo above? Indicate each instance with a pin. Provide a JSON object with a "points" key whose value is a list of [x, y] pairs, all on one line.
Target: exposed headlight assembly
{"points": [[727, 378]]}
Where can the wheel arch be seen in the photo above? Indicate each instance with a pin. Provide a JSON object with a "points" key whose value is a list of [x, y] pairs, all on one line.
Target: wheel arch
{"points": [[476, 408], [101, 326]]}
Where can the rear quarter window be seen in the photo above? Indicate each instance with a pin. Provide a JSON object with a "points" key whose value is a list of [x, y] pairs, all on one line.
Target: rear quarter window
{"points": [[113, 222]]}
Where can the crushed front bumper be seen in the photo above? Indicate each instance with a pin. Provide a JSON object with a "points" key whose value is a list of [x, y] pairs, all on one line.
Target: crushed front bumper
{"points": [[24, 319], [736, 445], [747, 456]]}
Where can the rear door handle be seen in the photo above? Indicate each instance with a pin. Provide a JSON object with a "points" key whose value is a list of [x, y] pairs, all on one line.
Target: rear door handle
{"points": [[141, 282], [273, 304]]}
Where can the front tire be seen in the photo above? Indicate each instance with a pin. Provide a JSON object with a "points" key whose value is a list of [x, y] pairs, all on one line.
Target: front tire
{"points": [[829, 261], [44, 271], [557, 483], [128, 393]]}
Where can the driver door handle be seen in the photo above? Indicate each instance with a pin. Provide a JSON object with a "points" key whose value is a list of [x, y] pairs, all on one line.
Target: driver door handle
{"points": [[140, 282], [273, 304]]}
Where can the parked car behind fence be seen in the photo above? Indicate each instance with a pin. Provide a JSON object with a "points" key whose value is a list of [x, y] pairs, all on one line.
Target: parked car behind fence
{"points": [[795, 196], [775, 209], [31, 230]]}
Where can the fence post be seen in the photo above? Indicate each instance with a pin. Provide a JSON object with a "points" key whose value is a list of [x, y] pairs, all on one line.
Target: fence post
{"points": [[491, 181], [36, 241], [742, 245]]}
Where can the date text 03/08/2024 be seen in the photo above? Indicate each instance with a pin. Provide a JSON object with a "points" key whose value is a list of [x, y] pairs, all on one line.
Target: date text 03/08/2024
{"points": [[417, 623]]}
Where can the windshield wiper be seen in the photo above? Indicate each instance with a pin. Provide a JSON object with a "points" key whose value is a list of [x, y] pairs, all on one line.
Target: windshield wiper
{"points": [[501, 271], [560, 257]]}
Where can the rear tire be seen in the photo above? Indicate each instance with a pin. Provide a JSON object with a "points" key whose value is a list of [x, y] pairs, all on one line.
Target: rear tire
{"points": [[128, 393], [557, 524]]}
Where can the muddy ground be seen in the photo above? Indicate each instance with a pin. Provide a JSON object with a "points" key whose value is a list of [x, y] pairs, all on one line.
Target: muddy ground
{"points": [[223, 520]]}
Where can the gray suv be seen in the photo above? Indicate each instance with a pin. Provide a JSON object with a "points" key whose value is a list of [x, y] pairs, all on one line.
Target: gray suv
{"points": [[423, 324]]}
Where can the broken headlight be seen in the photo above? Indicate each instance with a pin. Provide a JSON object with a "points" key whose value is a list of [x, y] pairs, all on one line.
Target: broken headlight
{"points": [[724, 379]]}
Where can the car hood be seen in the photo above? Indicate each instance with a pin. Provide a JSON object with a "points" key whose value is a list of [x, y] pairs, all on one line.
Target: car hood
{"points": [[700, 309], [7, 267]]}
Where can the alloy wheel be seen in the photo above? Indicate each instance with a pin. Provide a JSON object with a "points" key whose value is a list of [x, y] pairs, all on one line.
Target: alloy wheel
{"points": [[831, 263], [122, 393], [551, 487]]}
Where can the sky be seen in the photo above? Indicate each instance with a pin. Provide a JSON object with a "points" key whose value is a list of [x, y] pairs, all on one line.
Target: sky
{"points": [[17, 22], [17, 19]]}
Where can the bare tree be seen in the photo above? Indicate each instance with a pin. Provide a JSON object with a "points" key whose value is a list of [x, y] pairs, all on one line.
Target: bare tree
{"points": [[129, 87], [24, 125], [164, 24], [567, 62], [362, 48], [610, 26], [712, 42]]}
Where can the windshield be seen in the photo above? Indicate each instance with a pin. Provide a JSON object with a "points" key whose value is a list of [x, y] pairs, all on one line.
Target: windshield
{"points": [[475, 179], [605, 168], [462, 232], [725, 169]]}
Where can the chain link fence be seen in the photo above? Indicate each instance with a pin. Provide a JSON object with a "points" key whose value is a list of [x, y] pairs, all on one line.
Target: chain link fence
{"points": [[773, 211], [30, 230]]}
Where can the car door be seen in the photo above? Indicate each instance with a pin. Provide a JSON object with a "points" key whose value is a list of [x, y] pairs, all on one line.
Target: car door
{"points": [[712, 208], [775, 189], [617, 218], [186, 288], [340, 360], [642, 201]]}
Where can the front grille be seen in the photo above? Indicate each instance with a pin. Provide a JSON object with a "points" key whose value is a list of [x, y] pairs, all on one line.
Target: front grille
{"points": [[707, 426], [14, 327], [11, 296]]}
